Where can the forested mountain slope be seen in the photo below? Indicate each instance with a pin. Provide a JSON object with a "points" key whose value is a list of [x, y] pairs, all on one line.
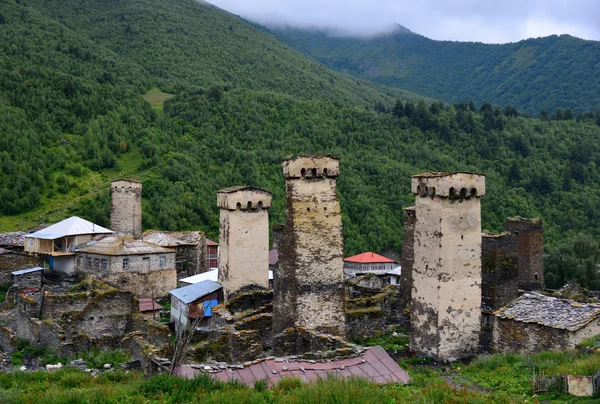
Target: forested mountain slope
{"points": [[533, 74], [187, 44], [74, 117]]}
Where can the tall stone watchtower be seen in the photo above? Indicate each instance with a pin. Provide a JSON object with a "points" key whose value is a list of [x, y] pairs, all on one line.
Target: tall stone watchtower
{"points": [[446, 291], [126, 208], [244, 239], [308, 285]]}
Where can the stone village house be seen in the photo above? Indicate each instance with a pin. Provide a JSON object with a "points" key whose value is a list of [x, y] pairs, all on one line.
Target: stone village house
{"points": [[535, 322], [145, 269]]}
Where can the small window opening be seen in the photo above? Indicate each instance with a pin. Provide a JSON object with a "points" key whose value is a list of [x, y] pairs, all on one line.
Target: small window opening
{"points": [[314, 172], [238, 206], [260, 204], [249, 205], [452, 192], [535, 276], [308, 209], [324, 172], [303, 173], [463, 192], [473, 192]]}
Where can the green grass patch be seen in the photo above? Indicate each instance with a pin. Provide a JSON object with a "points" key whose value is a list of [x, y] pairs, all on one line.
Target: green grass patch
{"points": [[157, 98], [3, 289], [387, 341], [96, 359]]}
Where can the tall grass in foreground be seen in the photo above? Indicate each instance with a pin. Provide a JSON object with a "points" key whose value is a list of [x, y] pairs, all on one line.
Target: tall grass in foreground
{"points": [[74, 386]]}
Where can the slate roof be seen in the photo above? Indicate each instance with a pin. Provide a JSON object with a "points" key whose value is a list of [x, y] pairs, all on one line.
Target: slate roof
{"points": [[550, 311], [172, 238], [231, 190], [188, 294], [73, 226], [123, 246], [375, 365], [13, 239], [368, 257]]}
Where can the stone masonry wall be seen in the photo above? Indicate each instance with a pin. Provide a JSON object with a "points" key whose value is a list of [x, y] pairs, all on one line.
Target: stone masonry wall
{"points": [[530, 236], [518, 337], [308, 285], [446, 291], [244, 239], [126, 208], [145, 278], [499, 260], [408, 254]]}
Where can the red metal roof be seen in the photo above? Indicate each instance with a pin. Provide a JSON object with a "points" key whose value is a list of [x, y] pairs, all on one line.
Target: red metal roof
{"points": [[375, 365], [146, 305], [273, 256], [368, 257], [210, 242]]}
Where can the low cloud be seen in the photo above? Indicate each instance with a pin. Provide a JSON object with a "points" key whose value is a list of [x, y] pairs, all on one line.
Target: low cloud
{"points": [[459, 20]]}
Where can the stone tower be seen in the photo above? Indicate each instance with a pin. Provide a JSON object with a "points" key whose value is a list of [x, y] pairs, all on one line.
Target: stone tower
{"points": [[126, 208], [530, 250], [308, 286], [446, 291], [243, 239]]}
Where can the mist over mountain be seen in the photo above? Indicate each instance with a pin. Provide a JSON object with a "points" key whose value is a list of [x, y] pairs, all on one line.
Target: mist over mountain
{"points": [[534, 74]]}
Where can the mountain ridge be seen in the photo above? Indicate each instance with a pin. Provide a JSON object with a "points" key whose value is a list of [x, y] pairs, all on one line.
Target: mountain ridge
{"points": [[532, 74]]}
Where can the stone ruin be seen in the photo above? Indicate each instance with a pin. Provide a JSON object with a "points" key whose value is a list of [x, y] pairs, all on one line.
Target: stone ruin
{"points": [[446, 288], [91, 314]]}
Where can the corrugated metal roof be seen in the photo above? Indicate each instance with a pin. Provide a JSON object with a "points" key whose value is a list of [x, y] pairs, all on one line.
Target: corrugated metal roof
{"points": [[549, 311], [212, 275], [147, 304], [188, 294], [73, 226], [172, 238], [124, 246], [26, 271], [273, 256], [368, 257], [374, 365]]}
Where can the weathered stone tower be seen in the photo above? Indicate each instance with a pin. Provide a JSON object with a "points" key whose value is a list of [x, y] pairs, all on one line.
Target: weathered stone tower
{"points": [[308, 285], [530, 250], [126, 208], [244, 239], [446, 291]]}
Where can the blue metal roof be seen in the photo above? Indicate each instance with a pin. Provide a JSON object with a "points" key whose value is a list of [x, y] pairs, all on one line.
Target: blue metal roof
{"points": [[26, 271], [191, 293]]}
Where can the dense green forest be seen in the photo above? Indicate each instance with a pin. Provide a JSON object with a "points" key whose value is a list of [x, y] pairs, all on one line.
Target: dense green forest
{"points": [[534, 74], [73, 79]]}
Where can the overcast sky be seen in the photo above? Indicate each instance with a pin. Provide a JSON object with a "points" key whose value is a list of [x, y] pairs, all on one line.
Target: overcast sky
{"points": [[491, 21]]}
